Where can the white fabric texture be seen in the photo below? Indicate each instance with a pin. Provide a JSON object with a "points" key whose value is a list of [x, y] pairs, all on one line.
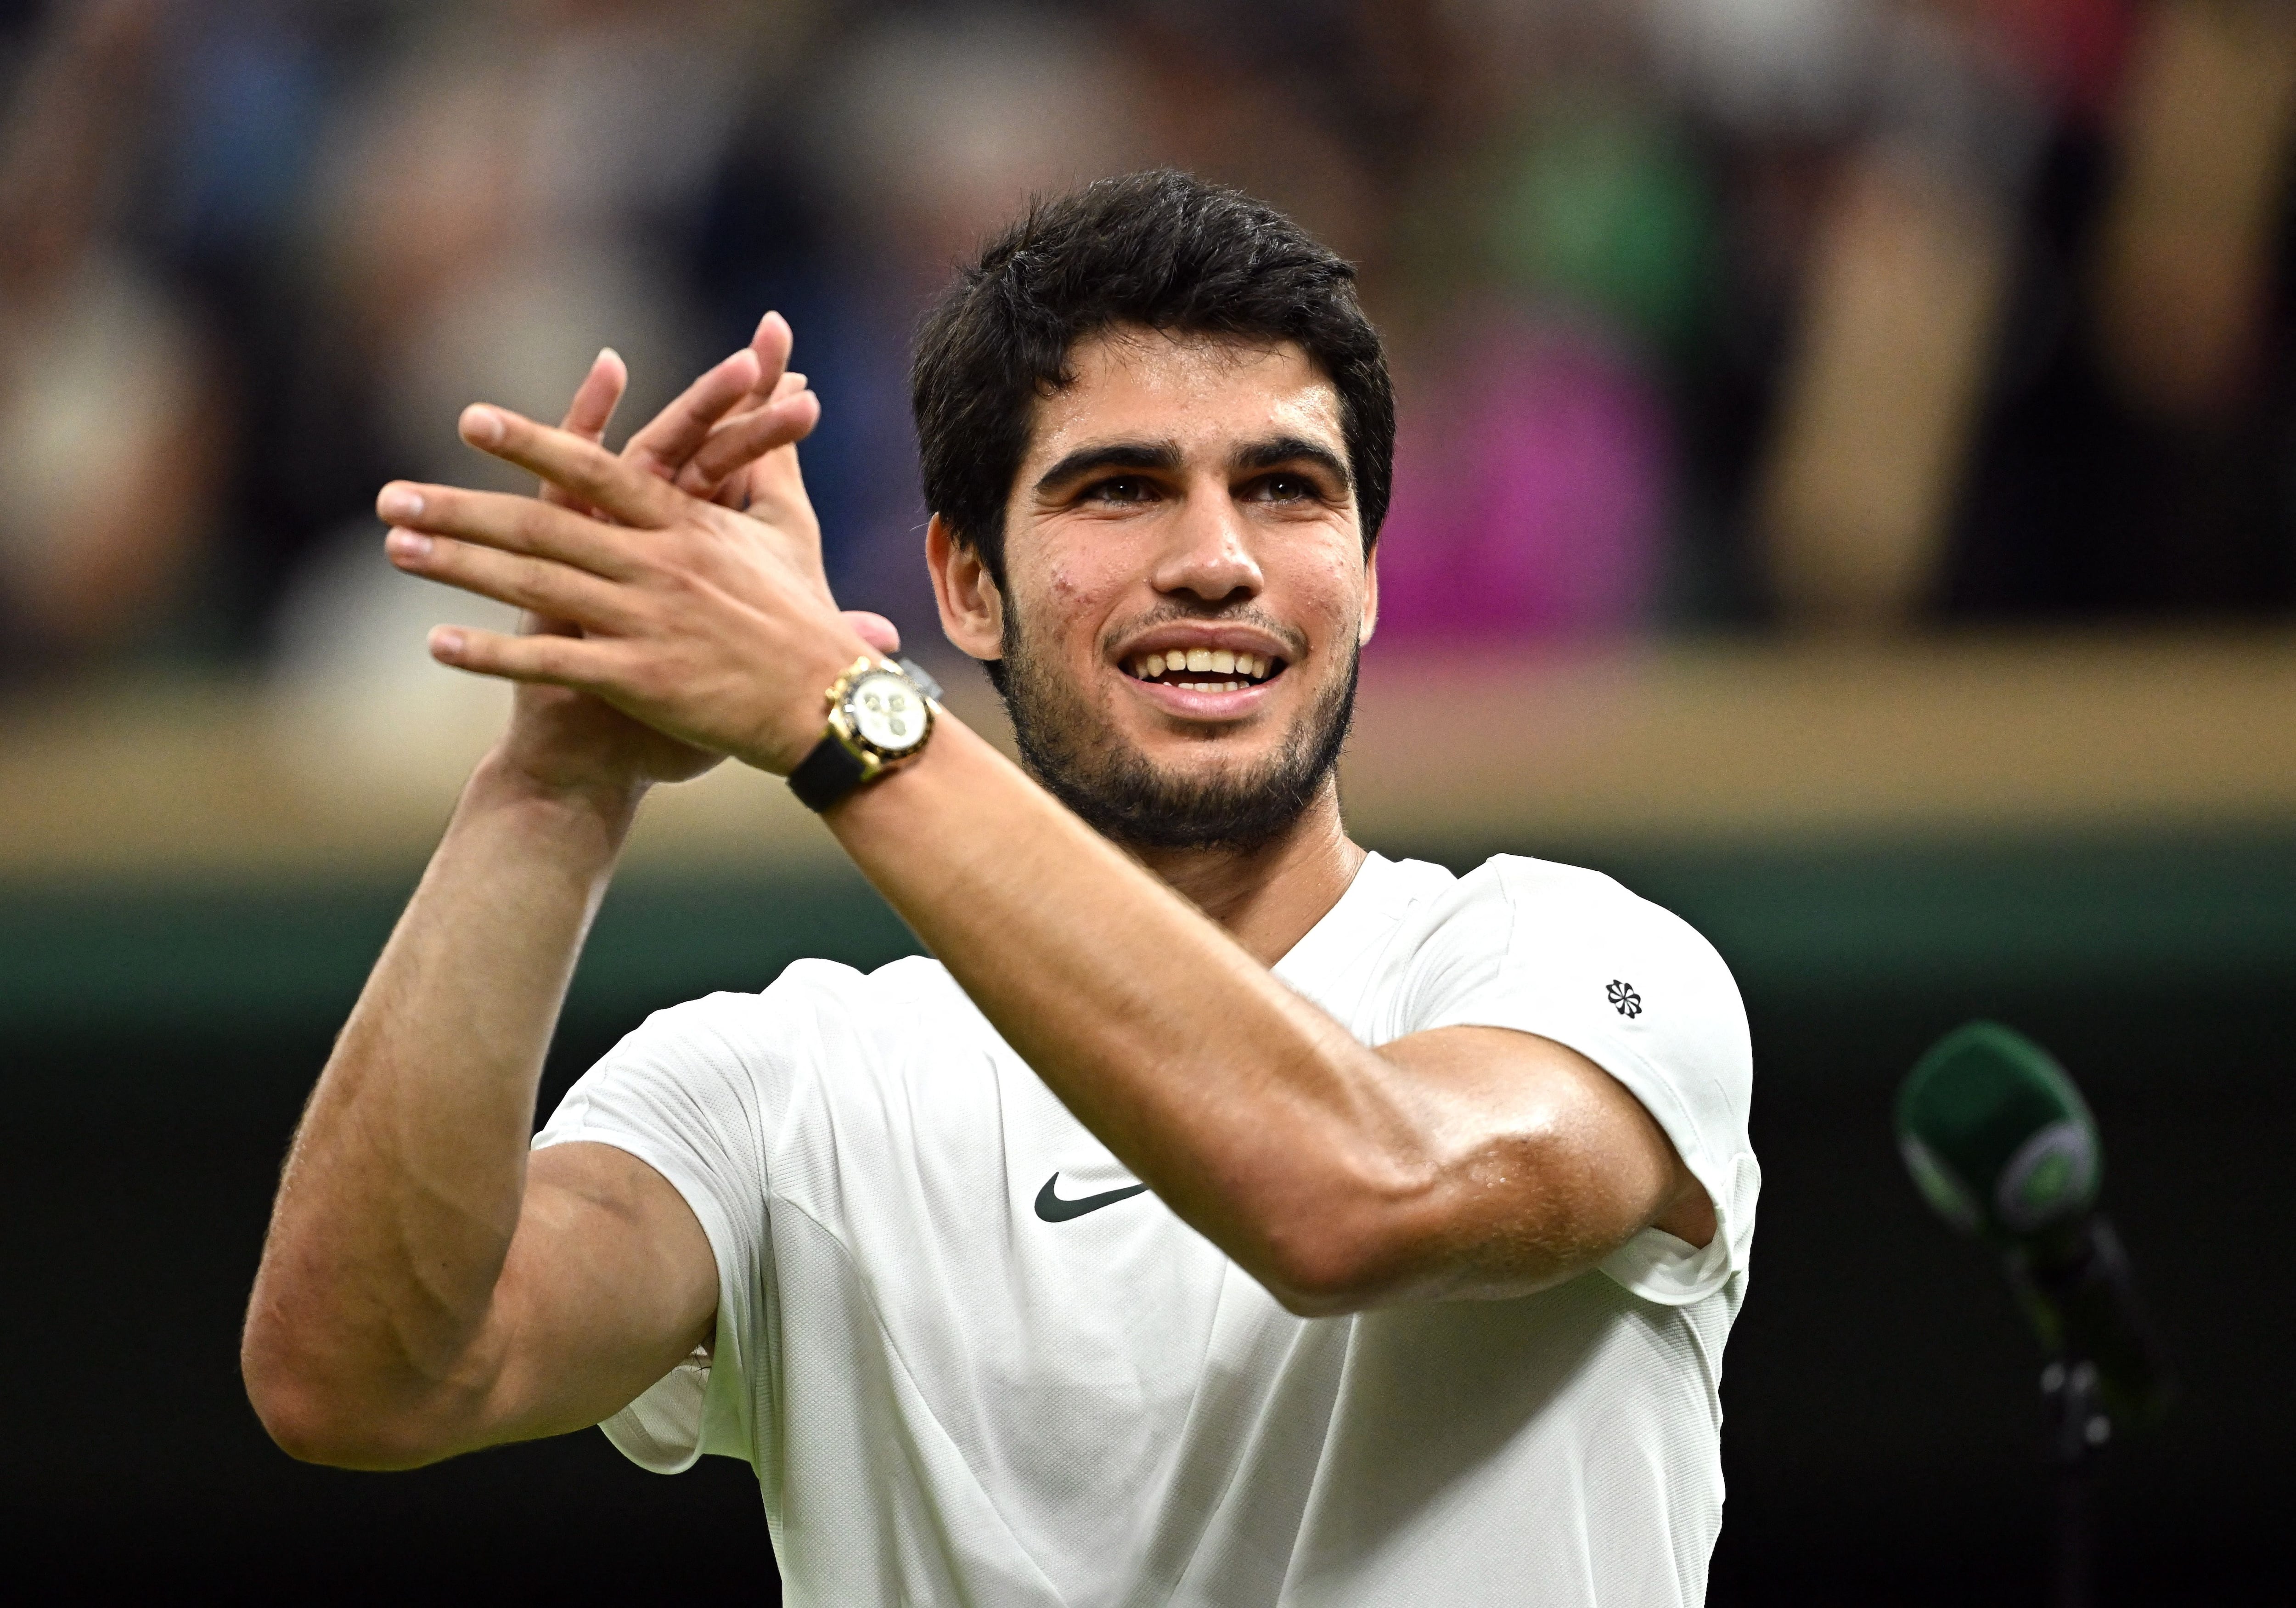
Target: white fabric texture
{"points": [[948, 1399]]}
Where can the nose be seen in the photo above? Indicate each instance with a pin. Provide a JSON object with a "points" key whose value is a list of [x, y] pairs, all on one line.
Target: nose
{"points": [[1208, 552]]}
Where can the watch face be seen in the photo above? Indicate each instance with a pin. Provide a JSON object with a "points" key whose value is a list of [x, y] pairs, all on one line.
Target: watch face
{"points": [[886, 711]]}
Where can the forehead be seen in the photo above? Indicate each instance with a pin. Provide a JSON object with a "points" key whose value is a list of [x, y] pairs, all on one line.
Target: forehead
{"points": [[1203, 393]]}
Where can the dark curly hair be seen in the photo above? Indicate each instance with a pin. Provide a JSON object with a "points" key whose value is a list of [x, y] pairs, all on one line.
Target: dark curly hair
{"points": [[1161, 250]]}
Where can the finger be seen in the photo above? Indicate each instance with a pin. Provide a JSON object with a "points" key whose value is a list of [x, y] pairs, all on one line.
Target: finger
{"points": [[592, 408], [510, 524], [597, 397], [540, 585], [772, 341], [879, 632], [671, 437], [775, 491], [746, 437], [620, 490], [733, 487], [574, 661], [668, 443]]}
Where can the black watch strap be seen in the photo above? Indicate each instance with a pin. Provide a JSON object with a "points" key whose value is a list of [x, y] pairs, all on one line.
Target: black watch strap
{"points": [[826, 775]]}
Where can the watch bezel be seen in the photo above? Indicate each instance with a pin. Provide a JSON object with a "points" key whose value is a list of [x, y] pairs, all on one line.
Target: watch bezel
{"points": [[875, 758]]}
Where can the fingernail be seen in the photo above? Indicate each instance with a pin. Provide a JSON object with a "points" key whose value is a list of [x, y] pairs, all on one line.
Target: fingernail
{"points": [[446, 641], [481, 425], [407, 543], [398, 503], [794, 375], [604, 352]]}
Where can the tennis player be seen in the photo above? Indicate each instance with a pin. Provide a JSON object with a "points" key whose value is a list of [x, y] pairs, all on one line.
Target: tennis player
{"points": [[1228, 1215]]}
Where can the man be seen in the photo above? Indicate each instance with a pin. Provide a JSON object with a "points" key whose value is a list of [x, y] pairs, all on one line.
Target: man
{"points": [[1227, 1215]]}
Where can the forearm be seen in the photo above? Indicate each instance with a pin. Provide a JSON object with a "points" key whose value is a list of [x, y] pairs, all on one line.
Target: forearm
{"points": [[1250, 1111], [403, 1186], [1338, 1173]]}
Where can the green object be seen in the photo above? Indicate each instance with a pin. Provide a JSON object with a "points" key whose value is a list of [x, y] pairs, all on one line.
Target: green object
{"points": [[1996, 1135], [1603, 208]]}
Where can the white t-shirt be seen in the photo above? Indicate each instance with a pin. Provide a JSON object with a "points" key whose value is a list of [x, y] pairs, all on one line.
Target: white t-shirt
{"points": [[949, 1397]]}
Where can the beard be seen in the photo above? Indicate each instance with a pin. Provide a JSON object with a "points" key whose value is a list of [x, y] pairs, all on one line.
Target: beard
{"points": [[1070, 747]]}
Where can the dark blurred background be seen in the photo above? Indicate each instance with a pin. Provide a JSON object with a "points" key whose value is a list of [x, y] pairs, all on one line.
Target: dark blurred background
{"points": [[1848, 458]]}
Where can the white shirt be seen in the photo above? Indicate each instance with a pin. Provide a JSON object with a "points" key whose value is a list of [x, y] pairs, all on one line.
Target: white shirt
{"points": [[950, 1400]]}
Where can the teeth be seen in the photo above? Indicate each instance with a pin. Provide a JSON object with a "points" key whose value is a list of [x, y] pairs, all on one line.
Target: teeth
{"points": [[1218, 662]]}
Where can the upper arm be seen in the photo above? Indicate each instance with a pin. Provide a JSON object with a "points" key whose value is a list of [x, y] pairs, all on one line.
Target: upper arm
{"points": [[1585, 1060], [609, 1283], [1538, 1165]]}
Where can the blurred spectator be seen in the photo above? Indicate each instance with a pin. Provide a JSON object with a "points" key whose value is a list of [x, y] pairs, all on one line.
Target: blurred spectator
{"points": [[1852, 312], [1905, 280], [927, 132], [505, 199], [112, 430], [2136, 455], [1532, 476]]}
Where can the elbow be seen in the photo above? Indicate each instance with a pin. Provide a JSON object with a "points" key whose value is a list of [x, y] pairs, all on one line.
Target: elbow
{"points": [[1354, 1234], [1330, 1263], [1321, 1277], [310, 1428], [314, 1419], [1407, 1235]]}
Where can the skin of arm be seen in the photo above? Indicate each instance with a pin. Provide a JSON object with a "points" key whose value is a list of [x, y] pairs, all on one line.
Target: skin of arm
{"points": [[424, 1287], [1457, 1163], [1465, 1162]]}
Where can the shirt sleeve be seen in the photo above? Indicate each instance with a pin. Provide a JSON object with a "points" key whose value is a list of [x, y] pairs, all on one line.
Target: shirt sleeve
{"points": [[1571, 956], [697, 1092]]}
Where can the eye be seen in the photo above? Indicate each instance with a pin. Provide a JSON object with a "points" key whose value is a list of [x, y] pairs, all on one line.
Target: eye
{"points": [[1284, 487], [1120, 488]]}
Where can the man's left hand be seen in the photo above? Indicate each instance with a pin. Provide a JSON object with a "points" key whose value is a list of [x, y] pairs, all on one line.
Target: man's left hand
{"points": [[706, 623]]}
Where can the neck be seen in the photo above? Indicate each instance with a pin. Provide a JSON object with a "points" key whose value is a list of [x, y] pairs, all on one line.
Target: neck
{"points": [[1268, 897]]}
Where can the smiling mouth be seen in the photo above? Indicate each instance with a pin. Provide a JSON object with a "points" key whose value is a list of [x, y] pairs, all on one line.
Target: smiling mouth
{"points": [[1204, 669]]}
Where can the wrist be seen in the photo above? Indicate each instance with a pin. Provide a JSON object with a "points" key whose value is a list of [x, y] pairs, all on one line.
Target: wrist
{"points": [[799, 727], [602, 804], [880, 716]]}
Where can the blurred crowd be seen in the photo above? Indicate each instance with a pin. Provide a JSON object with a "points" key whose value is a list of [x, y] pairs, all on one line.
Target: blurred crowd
{"points": [[1792, 314]]}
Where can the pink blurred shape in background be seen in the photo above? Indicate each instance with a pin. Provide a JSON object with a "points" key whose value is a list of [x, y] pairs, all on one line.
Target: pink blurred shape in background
{"points": [[1531, 490]]}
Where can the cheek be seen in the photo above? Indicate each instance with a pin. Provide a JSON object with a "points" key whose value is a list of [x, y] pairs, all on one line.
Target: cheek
{"points": [[1066, 600], [1327, 596]]}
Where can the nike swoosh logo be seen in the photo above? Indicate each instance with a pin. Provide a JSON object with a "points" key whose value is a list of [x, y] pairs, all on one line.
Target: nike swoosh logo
{"points": [[1054, 1209]]}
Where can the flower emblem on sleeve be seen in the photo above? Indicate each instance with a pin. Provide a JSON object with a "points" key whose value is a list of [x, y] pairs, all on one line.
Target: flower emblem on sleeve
{"points": [[1623, 996]]}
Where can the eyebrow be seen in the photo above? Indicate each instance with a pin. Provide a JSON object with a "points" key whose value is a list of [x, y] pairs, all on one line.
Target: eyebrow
{"points": [[1163, 455]]}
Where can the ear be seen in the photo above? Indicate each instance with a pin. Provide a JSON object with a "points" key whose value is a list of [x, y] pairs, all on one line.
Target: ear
{"points": [[971, 608], [1371, 596]]}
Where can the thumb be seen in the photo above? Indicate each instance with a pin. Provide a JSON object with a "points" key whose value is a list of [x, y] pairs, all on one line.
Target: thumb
{"points": [[874, 629]]}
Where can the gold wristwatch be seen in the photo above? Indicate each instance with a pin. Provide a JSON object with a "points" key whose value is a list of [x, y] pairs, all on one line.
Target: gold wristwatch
{"points": [[881, 712]]}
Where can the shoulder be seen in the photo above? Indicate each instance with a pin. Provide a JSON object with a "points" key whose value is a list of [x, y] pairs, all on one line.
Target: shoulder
{"points": [[1549, 903], [733, 1060], [817, 989], [1579, 944], [816, 1008], [1519, 880]]}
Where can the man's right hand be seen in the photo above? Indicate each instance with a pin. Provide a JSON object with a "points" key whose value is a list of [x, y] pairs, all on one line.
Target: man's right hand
{"points": [[422, 1290], [731, 437]]}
